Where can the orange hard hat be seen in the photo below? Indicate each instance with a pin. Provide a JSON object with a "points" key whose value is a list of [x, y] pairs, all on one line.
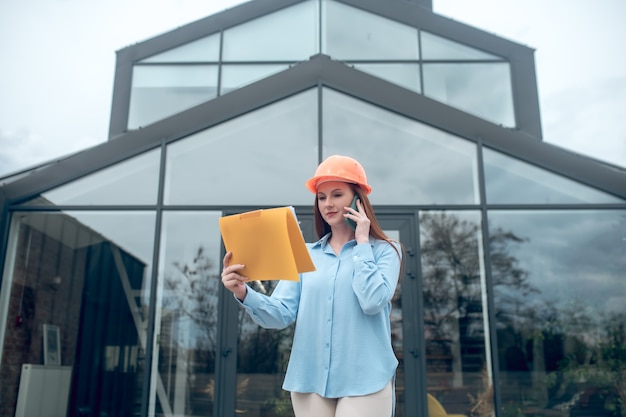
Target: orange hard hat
{"points": [[339, 168]]}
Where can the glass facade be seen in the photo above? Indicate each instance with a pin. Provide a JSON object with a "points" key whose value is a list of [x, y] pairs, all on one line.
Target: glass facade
{"points": [[131, 182], [162, 90], [457, 75], [533, 184], [513, 298], [260, 141], [455, 302], [264, 39], [458, 84], [560, 307], [557, 275], [420, 165], [368, 37], [88, 273], [186, 314]]}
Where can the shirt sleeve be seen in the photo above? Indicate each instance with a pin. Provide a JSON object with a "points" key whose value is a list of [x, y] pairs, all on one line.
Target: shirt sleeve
{"points": [[376, 273], [276, 311]]}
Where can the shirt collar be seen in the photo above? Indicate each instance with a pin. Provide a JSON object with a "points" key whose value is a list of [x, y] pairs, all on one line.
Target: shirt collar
{"points": [[324, 241]]}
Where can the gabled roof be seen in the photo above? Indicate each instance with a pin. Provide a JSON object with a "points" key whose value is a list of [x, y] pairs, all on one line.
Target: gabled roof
{"points": [[520, 57], [321, 70]]}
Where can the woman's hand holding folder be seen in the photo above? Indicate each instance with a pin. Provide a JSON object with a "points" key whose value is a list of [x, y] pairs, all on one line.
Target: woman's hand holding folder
{"points": [[232, 279]]}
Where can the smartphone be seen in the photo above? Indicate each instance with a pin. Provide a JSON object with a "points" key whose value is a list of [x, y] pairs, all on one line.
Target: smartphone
{"points": [[351, 222]]}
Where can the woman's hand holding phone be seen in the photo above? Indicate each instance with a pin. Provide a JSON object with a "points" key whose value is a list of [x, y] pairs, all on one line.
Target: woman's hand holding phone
{"points": [[351, 222], [361, 226]]}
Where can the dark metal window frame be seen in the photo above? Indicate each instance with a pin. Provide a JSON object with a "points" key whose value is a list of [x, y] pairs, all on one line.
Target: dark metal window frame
{"points": [[519, 57]]}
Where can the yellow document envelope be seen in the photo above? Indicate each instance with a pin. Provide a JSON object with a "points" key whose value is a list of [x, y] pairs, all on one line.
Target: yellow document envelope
{"points": [[268, 242]]}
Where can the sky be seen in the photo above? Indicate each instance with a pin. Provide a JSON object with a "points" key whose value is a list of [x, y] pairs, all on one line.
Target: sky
{"points": [[58, 64]]}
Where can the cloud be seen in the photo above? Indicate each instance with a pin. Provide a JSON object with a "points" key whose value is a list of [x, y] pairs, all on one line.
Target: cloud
{"points": [[589, 118], [22, 149]]}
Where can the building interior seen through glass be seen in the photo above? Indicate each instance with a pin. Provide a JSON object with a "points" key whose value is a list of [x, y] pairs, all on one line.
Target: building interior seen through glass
{"points": [[88, 273]]}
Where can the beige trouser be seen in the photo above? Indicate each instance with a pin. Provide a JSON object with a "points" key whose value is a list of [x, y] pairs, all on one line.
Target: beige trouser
{"points": [[378, 404]]}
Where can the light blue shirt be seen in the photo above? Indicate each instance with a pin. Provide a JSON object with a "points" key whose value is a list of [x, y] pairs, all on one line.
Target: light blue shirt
{"points": [[342, 340]]}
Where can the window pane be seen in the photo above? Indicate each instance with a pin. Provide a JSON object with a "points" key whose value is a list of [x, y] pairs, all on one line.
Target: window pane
{"points": [[560, 303], [436, 47], [186, 320], [480, 89], [420, 164], [203, 50], [349, 33], [261, 158], [159, 91], [405, 75], [453, 287], [132, 231], [237, 76], [88, 274], [261, 365], [134, 181], [287, 35], [511, 181]]}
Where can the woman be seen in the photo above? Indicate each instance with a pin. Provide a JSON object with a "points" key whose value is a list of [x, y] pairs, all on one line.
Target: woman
{"points": [[341, 363]]}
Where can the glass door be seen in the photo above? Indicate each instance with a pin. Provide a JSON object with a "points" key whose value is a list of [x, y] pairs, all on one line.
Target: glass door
{"points": [[405, 326], [257, 387]]}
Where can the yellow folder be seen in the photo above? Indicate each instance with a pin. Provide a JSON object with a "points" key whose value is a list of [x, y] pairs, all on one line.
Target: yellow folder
{"points": [[268, 242]]}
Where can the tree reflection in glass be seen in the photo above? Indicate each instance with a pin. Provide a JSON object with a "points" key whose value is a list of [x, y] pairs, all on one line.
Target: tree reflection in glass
{"points": [[188, 334], [459, 373], [261, 365], [453, 282], [560, 324]]}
